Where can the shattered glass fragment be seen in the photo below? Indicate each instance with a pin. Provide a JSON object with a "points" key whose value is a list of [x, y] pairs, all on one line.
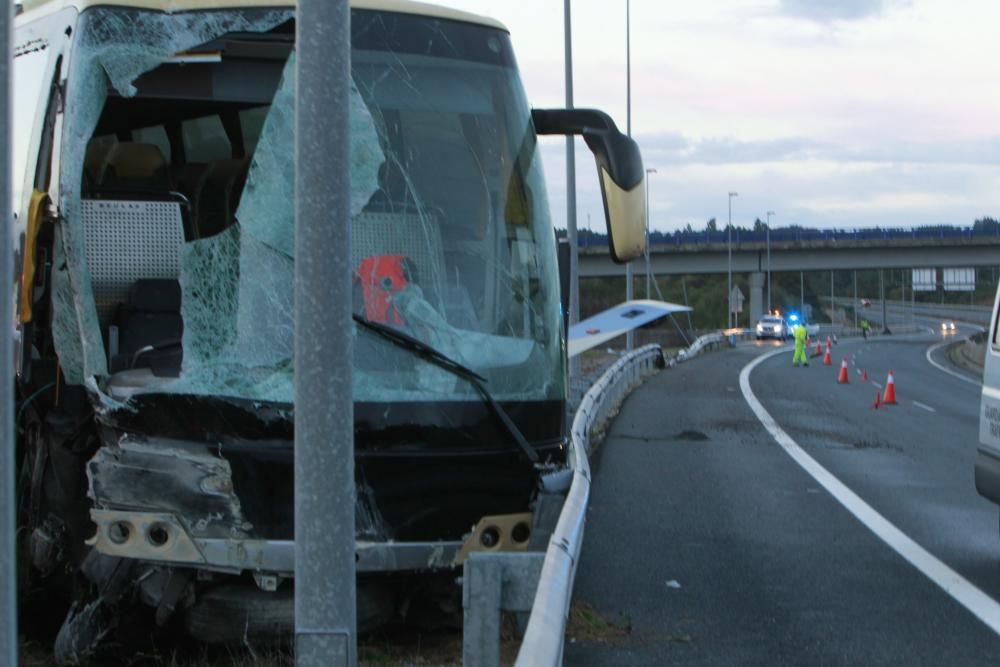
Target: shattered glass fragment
{"points": [[115, 46], [239, 331]]}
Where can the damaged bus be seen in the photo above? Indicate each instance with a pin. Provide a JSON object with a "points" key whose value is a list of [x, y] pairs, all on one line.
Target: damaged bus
{"points": [[153, 162]]}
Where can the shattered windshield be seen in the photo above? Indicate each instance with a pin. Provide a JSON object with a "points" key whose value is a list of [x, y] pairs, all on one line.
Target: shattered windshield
{"points": [[178, 246]]}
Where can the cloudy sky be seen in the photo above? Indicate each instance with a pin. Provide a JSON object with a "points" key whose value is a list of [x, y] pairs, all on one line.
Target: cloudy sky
{"points": [[845, 113]]}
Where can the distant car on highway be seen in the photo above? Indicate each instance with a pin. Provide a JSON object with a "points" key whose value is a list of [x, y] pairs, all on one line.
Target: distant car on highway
{"points": [[866, 302], [771, 326], [948, 327]]}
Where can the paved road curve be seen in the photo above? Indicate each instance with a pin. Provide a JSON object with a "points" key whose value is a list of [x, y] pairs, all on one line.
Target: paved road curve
{"points": [[720, 549]]}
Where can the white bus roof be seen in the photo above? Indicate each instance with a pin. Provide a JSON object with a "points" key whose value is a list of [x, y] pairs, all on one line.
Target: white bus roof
{"points": [[36, 8]]}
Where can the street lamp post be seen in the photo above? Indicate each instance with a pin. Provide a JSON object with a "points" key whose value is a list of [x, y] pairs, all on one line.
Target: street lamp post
{"points": [[769, 214], [630, 336], [648, 172], [729, 246], [571, 230]]}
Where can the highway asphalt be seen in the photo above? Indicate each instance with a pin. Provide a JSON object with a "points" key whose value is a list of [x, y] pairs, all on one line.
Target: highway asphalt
{"points": [[715, 547]]}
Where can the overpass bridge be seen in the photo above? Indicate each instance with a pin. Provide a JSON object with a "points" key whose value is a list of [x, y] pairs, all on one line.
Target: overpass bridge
{"points": [[801, 250]]}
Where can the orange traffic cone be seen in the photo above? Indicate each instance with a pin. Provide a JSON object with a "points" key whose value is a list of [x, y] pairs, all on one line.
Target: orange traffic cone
{"points": [[827, 359], [878, 400], [890, 391], [864, 378], [843, 377], [819, 349], [829, 343]]}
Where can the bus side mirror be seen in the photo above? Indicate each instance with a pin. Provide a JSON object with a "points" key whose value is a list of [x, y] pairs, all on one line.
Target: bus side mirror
{"points": [[619, 169]]}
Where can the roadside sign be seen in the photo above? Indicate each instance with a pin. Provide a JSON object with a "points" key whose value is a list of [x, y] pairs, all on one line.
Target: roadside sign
{"points": [[959, 280], [736, 300], [924, 280]]}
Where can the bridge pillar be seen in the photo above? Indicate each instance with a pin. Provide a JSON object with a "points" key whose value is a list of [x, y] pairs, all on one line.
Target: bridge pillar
{"points": [[756, 297]]}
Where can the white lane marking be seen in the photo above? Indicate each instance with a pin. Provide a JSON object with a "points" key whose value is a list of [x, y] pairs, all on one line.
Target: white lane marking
{"points": [[958, 587], [934, 348], [924, 406], [876, 384]]}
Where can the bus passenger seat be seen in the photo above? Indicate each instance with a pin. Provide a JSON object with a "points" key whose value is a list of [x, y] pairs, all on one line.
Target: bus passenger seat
{"points": [[127, 241], [151, 317], [219, 196], [188, 179], [417, 237], [136, 167], [95, 162]]}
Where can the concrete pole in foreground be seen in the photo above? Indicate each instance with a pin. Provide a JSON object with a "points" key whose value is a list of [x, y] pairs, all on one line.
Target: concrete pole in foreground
{"points": [[325, 587], [8, 519]]}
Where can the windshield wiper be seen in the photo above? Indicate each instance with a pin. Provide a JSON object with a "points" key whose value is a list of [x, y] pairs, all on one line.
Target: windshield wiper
{"points": [[441, 360]]}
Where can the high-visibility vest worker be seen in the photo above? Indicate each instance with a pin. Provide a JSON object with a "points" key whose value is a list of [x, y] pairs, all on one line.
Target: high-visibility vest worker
{"points": [[800, 346]]}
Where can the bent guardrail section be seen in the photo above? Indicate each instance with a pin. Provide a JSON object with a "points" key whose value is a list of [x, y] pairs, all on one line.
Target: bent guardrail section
{"points": [[708, 341], [542, 584]]}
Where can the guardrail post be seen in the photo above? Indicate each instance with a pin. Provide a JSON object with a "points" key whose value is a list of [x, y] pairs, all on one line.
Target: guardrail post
{"points": [[493, 583], [481, 584]]}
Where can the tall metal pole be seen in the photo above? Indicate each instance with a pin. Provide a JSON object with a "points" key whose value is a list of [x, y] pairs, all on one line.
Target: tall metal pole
{"points": [[729, 249], [325, 586], [574, 258], [8, 519], [628, 67], [902, 288], [648, 273], [769, 214], [833, 304], [856, 300], [684, 288], [802, 295], [630, 336], [881, 289]]}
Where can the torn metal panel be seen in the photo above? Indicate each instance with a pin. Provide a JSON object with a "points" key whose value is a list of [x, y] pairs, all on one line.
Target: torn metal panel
{"points": [[171, 477]]}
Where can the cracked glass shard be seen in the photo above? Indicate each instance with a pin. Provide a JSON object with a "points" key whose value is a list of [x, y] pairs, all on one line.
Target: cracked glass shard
{"points": [[238, 287], [114, 46], [451, 239]]}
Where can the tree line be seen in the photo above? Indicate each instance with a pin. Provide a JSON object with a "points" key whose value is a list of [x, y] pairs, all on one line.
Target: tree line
{"points": [[985, 225]]}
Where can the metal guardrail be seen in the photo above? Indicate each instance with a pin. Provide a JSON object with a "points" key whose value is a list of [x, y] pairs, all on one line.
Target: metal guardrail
{"points": [[543, 641], [545, 634], [708, 341]]}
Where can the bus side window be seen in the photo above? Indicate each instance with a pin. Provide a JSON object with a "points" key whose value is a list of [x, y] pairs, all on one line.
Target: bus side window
{"points": [[205, 140], [29, 85], [996, 326]]}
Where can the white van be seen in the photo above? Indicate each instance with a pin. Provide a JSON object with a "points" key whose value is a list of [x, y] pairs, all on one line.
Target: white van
{"points": [[988, 456]]}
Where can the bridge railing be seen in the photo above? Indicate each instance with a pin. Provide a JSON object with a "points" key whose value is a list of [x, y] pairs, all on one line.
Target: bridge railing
{"points": [[679, 238]]}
